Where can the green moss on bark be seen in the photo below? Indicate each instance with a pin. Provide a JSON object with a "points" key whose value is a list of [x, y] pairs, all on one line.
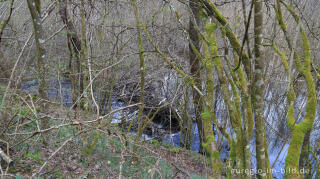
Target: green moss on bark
{"points": [[299, 130]]}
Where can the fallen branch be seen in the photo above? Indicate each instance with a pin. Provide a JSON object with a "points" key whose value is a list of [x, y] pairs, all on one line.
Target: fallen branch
{"points": [[5, 157]]}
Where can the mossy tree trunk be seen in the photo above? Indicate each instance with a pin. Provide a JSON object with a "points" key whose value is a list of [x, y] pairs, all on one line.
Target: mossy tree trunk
{"points": [[209, 143], [300, 132], [240, 152], [247, 115], [213, 11], [232, 102], [244, 108]]}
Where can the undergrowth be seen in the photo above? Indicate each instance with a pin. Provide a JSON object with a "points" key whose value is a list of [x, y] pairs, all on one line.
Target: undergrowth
{"points": [[88, 151]]}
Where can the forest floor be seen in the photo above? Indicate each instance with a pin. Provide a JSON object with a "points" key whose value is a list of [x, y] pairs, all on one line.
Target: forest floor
{"points": [[75, 148]]}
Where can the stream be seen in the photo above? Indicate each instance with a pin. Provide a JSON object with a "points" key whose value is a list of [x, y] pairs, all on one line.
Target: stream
{"points": [[61, 92]]}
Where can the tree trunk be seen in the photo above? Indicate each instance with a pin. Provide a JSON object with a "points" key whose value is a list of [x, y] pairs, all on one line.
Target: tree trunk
{"points": [[75, 47], [300, 132], [258, 90], [142, 69], [73, 44], [187, 122], [195, 64], [83, 54], [35, 11], [207, 116]]}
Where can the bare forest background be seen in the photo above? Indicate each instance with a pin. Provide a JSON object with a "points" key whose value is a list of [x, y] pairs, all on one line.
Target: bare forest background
{"points": [[159, 89]]}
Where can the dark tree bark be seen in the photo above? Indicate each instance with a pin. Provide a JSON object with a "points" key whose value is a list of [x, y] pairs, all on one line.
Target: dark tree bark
{"points": [[75, 49], [195, 63]]}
